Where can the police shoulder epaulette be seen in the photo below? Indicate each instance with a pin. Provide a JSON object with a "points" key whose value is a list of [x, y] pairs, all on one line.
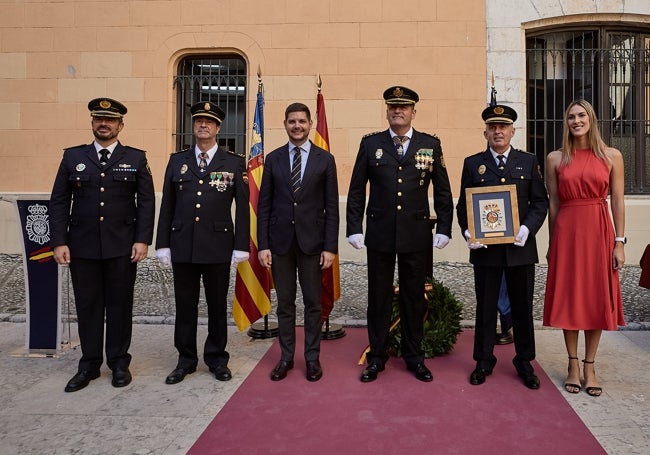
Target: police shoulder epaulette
{"points": [[236, 154], [523, 151], [180, 151], [76, 147], [371, 134], [431, 135], [134, 149]]}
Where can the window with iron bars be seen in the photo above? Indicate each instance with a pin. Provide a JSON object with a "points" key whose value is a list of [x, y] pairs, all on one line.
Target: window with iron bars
{"points": [[220, 79], [608, 68]]}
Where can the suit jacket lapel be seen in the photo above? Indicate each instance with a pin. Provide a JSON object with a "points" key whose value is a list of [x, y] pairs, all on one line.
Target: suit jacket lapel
{"points": [[414, 145], [310, 167], [116, 156], [490, 163], [92, 155]]}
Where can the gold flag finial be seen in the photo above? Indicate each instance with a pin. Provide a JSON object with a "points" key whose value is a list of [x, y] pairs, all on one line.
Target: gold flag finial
{"points": [[319, 82]]}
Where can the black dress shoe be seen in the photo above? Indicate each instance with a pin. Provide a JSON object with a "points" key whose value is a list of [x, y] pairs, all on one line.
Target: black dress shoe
{"points": [[221, 372], [478, 376], [530, 380], [314, 371], [178, 375], [422, 373], [505, 337], [280, 371], [371, 372], [81, 380], [121, 377]]}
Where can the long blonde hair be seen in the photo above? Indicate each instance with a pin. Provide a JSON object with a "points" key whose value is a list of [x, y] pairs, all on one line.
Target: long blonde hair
{"points": [[596, 143]]}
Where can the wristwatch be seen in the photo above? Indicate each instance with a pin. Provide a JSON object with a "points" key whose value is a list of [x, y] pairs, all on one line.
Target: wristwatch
{"points": [[623, 240]]}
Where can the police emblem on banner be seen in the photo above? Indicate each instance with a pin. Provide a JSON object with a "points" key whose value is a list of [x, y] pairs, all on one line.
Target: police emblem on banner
{"points": [[37, 224]]}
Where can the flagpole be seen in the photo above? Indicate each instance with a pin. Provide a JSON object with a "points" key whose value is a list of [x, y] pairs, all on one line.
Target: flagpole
{"points": [[330, 330], [264, 329]]}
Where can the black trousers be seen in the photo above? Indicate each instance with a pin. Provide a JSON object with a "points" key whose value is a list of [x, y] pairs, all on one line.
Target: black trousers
{"points": [[520, 281], [104, 288], [187, 287], [284, 269], [412, 304]]}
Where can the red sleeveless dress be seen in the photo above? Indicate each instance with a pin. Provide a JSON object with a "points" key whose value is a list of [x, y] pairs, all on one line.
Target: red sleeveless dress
{"points": [[583, 291]]}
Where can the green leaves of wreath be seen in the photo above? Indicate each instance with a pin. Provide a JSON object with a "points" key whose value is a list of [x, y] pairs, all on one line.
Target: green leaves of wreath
{"points": [[441, 321]]}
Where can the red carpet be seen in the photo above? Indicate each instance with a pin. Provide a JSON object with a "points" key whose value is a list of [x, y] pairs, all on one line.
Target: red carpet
{"points": [[395, 414]]}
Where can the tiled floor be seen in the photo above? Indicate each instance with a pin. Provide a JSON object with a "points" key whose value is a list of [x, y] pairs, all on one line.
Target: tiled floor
{"points": [[150, 417]]}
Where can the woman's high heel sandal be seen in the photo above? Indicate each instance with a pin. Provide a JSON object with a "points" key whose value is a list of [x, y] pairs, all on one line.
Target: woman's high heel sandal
{"points": [[568, 386], [592, 391]]}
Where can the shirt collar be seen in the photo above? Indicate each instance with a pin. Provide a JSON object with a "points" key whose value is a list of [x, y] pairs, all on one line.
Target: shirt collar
{"points": [[408, 134], [210, 152], [110, 148], [306, 146], [504, 154]]}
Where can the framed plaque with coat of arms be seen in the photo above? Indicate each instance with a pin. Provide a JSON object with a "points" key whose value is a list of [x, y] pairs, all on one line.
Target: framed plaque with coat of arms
{"points": [[492, 214]]}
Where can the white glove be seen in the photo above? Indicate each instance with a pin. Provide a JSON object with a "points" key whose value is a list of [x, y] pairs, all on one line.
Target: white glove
{"points": [[356, 240], [440, 241], [475, 245], [239, 256], [164, 256], [522, 236]]}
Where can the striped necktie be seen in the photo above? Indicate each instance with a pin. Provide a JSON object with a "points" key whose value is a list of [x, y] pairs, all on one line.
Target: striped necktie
{"points": [[204, 160], [296, 168], [399, 141]]}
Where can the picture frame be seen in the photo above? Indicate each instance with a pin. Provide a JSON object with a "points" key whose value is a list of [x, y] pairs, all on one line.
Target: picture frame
{"points": [[492, 214]]}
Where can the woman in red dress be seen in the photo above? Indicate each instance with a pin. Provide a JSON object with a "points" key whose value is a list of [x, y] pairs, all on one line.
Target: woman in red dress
{"points": [[586, 251]]}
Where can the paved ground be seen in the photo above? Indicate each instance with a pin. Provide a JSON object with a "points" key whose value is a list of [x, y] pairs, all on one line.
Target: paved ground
{"points": [[154, 300], [149, 417]]}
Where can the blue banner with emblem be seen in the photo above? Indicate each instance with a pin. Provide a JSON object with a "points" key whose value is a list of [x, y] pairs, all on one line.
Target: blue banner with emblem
{"points": [[42, 278]]}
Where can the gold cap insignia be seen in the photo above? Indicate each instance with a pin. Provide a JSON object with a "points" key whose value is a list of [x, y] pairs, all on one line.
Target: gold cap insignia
{"points": [[498, 110], [398, 92], [104, 104], [206, 106]]}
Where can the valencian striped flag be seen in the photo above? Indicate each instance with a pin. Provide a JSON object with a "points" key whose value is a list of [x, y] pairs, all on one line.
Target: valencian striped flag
{"points": [[331, 281], [253, 282]]}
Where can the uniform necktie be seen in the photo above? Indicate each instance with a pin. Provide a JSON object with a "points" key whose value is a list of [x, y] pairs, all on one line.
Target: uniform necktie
{"points": [[502, 162], [103, 158], [204, 160], [399, 141], [295, 169]]}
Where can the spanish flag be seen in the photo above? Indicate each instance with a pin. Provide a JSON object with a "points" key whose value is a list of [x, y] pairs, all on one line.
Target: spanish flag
{"points": [[253, 282], [331, 280]]}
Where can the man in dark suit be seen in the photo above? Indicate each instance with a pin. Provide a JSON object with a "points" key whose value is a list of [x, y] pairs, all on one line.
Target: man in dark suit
{"points": [[101, 218], [502, 164], [196, 234], [399, 163], [297, 229]]}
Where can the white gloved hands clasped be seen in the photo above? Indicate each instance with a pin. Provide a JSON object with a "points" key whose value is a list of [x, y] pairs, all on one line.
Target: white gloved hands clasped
{"points": [[164, 256], [522, 236], [440, 241], [239, 256], [474, 245], [356, 240]]}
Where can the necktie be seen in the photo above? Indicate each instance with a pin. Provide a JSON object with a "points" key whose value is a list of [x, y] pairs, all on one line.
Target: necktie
{"points": [[204, 160], [103, 158], [399, 140], [295, 169], [502, 162]]}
